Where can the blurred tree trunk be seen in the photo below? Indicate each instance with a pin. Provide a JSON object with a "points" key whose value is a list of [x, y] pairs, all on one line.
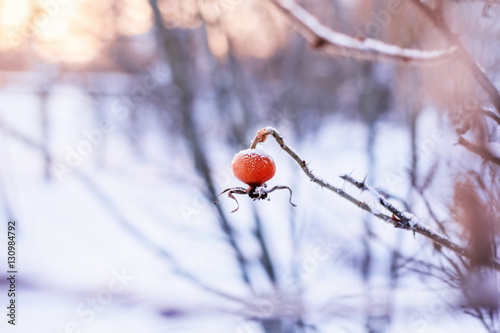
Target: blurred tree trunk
{"points": [[173, 45]]}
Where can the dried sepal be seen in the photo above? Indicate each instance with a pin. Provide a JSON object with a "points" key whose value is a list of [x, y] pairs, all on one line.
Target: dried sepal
{"points": [[254, 192]]}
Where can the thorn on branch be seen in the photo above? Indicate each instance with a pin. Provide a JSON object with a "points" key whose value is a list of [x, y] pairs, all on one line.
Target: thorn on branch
{"points": [[361, 185], [400, 220]]}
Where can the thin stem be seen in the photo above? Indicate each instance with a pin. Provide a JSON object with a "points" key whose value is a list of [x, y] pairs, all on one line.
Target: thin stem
{"points": [[491, 115], [436, 16], [399, 219], [261, 136], [138, 234], [478, 150]]}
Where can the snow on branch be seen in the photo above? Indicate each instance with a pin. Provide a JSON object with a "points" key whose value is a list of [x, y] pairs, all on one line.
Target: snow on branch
{"points": [[404, 221], [399, 219], [337, 43]]}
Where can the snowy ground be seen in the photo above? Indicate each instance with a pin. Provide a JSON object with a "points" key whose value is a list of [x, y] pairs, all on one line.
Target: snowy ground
{"points": [[81, 270]]}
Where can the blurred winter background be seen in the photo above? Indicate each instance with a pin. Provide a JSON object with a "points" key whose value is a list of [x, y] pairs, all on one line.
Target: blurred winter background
{"points": [[118, 123]]}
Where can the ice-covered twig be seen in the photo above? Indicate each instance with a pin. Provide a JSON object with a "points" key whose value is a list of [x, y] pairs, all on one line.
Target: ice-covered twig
{"points": [[265, 132], [405, 221], [399, 218], [363, 48]]}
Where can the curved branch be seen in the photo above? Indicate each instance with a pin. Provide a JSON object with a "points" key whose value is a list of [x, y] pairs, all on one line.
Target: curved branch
{"points": [[436, 16], [399, 219], [369, 49], [478, 150], [282, 187], [491, 115]]}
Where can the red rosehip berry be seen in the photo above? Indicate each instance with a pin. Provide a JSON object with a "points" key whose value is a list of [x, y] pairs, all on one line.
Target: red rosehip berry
{"points": [[253, 167]]}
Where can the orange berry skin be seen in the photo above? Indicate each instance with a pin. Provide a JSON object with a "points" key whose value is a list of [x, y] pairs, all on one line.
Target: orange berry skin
{"points": [[253, 167]]}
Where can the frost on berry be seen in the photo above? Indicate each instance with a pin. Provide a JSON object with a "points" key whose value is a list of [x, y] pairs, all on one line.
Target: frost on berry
{"points": [[253, 167]]}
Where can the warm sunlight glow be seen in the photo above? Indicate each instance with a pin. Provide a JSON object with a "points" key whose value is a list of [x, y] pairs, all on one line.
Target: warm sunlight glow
{"points": [[69, 35], [254, 28], [178, 13], [80, 30], [217, 42], [12, 13], [135, 18], [13, 17], [70, 31]]}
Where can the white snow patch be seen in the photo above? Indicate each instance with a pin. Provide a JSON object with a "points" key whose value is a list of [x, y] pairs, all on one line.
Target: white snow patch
{"points": [[494, 148], [257, 151]]}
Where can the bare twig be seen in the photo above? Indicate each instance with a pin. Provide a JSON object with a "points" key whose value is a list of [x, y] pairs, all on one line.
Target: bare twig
{"points": [[104, 200], [432, 214], [478, 150], [21, 137], [436, 16], [490, 114], [265, 257], [399, 218], [43, 148], [370, 49], [340, 44], [486, 2], [181, 64]]}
